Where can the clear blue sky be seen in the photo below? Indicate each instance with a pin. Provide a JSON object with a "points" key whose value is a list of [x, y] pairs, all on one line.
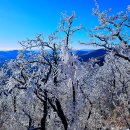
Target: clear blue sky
{"points": [[21, 19]]}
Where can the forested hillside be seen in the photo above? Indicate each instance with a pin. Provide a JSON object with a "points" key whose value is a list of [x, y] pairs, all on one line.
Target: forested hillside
{"points": [[63, 90]]}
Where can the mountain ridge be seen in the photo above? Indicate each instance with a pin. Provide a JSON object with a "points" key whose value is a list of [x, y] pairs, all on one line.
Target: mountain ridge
{"points": [[83, 54]]}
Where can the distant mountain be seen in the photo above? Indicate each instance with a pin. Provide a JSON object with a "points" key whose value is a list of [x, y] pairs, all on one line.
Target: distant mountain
{"points": [[83, 52], [98, 54], [7, 55], [84, 55]]}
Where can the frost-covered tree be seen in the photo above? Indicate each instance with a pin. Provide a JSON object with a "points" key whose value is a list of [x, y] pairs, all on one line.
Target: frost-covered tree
{"points": [[112, 32], [111, 92], [44, 79], [111, 82], [48, 88]]}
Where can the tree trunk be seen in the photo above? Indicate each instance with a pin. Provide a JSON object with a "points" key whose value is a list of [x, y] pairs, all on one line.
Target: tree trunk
{"points": [[43, 120], [61, 114]]}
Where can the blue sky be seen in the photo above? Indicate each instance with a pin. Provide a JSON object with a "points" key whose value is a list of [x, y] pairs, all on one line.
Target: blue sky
{"points": [[21, 19]]}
